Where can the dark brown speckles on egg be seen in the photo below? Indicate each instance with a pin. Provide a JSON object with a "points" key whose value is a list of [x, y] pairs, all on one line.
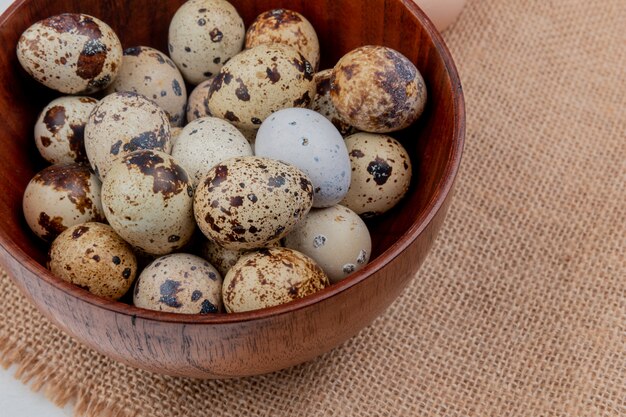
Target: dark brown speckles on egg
{"points": [[377, 89], [169, 179], [231, 215], [180, 285], [216, 35], [380, 170], [55, 118], [52, 227]]}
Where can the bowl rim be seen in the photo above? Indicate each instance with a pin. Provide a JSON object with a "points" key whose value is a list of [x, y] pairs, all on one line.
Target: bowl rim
{"points": [[444, 187]]}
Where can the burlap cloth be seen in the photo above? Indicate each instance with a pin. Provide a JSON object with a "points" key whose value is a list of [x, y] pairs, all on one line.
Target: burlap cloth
{"points": [[520, 310]]}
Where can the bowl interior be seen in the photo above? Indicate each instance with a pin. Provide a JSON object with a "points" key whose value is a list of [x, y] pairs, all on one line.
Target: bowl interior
{"points": [[342, 25]]}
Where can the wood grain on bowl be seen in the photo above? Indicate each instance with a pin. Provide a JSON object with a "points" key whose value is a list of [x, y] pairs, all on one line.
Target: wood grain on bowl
{"points": [[220, 346]]}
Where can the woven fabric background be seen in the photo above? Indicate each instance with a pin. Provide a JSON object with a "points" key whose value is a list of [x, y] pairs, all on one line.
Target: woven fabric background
{"points": [[520, 310]]}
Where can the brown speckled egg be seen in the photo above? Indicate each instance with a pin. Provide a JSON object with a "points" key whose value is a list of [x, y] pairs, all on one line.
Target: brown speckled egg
{"points": [[148, 199], [122, 123], [270, 277], [377, 89], [151, 73], [179, 283], [175, 132], [60, 128], [203, 35], [93, 257], [61, 196], [336, 238], [381, 173], [206, 142], [246, 202], [260, 81], [71, 53], [323, 104], [198, 102], [285, 27], [223, 259]]}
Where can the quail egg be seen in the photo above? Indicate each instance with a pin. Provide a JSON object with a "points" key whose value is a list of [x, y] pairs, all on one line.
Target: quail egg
{"points": [[223, 259], [334, 237], [323, 104], [381, 173], [247, 202], [198, 102], [60, 129], [270, 277], [260, 81], [151, 73], [148, 200], [179, 283], [206, 142], [122, 123], [310, 142], [61, 196], [377, 89], [285, 27], [93, 257], [203, 35], [71, 53]]}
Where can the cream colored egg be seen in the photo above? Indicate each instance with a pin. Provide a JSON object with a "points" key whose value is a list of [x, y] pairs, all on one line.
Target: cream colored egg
{"points": [[71, 53], [179, 283], [260, 81], [203, 36], [93, 257], [377, 89], [381, 173], [148, 200], [198, 102], [61, 196], [206, 142], [335, 238], [285, 27], [270, 277], [247, 202], [122, 123], [223, 259], [60, 129], [323, 104], [151, 73]]}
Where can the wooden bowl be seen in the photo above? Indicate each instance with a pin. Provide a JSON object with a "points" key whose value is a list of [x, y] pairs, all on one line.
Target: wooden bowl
{"points": [[221, 346]]}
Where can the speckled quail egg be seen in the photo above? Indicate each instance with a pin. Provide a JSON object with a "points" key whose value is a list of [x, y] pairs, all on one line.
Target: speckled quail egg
{"points": [[381, 173], [179, 283], [203, 35], [93, 257], [148, 199], [223, 259], [270, 277], [323, 104], [61, 196], [198, 102], [60, 129], [246, 202], [285, 27], [260, 81], [310, 142], [334, 237], [71, 53], [377, 89], [206, 142], [122, 123], [151, 73], [175, 133]]}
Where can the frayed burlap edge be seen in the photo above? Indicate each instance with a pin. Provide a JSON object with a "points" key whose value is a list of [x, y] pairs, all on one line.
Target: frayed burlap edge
{"points": [[41, 376]]}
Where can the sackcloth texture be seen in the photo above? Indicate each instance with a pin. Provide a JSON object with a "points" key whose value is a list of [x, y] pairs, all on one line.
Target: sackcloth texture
{"points": [[519, 310]]}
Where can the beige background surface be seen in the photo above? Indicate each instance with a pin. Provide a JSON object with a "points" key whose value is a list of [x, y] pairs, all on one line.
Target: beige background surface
{"points": [[520, 310]]}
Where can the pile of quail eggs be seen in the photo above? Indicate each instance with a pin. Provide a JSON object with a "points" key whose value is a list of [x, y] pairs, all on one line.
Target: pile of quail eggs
{"points": [[276, 166]]}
